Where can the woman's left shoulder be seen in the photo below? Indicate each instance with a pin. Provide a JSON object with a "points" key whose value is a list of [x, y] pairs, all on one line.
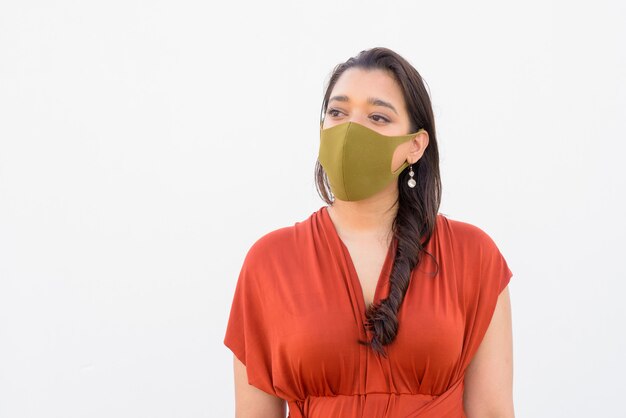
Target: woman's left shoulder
{"points": [[485, 268], [464, 233]]}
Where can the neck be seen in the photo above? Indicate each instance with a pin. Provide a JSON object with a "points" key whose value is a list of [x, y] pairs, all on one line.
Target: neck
{"points": [[368, 218]]}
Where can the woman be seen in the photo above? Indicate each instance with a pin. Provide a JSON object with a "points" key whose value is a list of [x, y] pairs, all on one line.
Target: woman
{"points": [[375, 305]]}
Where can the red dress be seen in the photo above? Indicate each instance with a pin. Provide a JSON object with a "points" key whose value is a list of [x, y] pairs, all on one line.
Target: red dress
{"points": [[298, 311]]}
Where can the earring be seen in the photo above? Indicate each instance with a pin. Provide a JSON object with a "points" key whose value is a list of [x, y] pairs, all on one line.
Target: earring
{"points": [[411, 181]]}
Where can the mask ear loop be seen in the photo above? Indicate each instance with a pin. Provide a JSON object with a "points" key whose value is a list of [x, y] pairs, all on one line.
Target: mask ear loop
{"points": [[406, 163], [402, 167]]}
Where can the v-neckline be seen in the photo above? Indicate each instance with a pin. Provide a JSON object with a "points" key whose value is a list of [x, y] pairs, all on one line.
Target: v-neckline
{"points": [[383, 276]]}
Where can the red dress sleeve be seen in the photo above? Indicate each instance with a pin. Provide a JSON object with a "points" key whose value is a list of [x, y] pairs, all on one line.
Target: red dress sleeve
{"points": [[495, 272], [486, 274], [248, 333]]}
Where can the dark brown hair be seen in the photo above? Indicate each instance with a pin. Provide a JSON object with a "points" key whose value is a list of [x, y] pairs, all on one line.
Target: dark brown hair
{"points": [[417, 207]]}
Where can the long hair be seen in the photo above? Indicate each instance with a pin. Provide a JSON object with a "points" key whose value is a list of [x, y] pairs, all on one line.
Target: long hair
{"points": [[417, 207]]}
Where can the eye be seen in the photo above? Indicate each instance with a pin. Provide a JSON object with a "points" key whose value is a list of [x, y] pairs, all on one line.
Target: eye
{"points": [[380, 118], [333, 112]]}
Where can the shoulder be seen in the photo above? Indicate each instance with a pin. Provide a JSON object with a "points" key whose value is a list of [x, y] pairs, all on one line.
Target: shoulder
{"points": [[485, 271], [270, 245], [465, 235], [278, 245]]}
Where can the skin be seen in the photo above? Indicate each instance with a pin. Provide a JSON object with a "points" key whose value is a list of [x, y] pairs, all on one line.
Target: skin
{"points": [[252, 402], [365, 228]]}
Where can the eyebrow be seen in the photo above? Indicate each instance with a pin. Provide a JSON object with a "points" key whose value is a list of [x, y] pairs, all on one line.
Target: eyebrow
{"points": [[371, 100]]}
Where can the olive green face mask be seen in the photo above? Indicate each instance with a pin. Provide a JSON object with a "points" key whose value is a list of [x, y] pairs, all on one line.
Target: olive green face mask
{"points": [[357, 159]]}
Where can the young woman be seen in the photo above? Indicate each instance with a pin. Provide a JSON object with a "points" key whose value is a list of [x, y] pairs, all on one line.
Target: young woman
{"points": [[376, 305]]}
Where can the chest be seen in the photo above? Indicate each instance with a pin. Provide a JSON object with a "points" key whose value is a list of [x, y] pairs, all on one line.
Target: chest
{"points": [[367, 258], [317, 331]]}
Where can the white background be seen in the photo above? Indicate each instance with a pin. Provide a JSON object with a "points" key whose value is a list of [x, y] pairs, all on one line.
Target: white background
{"points": [[145, 145]]}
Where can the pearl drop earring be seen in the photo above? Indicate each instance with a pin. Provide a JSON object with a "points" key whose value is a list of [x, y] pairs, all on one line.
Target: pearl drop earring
{"points": [[411, 181]]}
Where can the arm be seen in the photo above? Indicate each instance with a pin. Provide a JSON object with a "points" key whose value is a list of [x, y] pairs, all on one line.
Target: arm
{"points": [[489, 376], [251, 402]]}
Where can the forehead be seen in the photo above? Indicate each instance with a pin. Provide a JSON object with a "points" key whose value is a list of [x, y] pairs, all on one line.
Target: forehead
{"points": [[359, 84]]}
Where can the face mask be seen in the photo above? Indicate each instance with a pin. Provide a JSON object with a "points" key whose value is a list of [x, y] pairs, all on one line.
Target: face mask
{"points": [[357, 159]]}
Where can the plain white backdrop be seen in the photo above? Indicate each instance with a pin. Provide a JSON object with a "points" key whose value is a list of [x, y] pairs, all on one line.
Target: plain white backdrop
{"points": [[145, 145]]}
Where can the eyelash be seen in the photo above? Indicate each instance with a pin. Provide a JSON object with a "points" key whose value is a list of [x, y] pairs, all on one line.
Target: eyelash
{"points": [[328, 112]]}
